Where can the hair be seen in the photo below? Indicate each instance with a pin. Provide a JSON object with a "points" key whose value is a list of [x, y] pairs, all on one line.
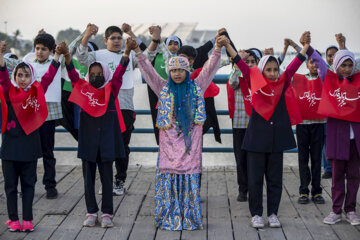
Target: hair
{"points": [[14, 56], [22, 66], [252, 54], [112, 29], [272, 59], [93, 65], [179, 41], [331, 47], [94, 46], [45, 39], [188, 51]]}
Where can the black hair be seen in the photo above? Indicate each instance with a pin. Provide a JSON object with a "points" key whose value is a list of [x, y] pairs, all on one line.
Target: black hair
{"points": [[112, 29], [93, 65], [13, 56], [45, 39], [331, 47], [257, 50], [252, 54], [177, 38], [94, 46], [22, 66], [272, 59], [188, 51]]}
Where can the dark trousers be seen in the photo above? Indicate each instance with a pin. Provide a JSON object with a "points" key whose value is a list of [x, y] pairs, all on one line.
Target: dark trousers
{"points": [[47, 137], [349, 170], [122, 164], [12, 170], [106, 175], [270, 165], [240, 157], [310, 141]]}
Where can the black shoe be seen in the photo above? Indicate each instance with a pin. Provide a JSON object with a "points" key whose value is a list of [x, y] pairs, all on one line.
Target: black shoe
{"points": [[318, 199], [327, 175], [51, 193], [303, 199], [242, 197]]}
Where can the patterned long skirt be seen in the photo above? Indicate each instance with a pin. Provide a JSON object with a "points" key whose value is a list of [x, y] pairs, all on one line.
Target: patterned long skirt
{"points": [[177, 201]]}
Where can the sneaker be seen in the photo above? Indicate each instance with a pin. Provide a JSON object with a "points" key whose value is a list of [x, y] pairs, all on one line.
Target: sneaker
{"points": [[332, 218], [327, 175], [100, 190], [303, 199], [242, 197], [257, 222], [27, 226], [13, 226], [106, 221], [118, 188], [51, 193], [91, 220], [352, 218], [274, 221], [318, 199]]}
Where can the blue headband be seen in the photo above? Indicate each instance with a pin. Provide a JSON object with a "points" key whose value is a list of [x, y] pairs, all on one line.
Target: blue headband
{"points": [[91, 47]]}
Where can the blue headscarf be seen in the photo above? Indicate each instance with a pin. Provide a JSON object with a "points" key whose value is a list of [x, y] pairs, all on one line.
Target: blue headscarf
{"points": [[185, 101]]}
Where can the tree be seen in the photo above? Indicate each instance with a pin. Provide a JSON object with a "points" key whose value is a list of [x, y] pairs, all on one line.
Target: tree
{"points": [[17, 34], [67, 35]]}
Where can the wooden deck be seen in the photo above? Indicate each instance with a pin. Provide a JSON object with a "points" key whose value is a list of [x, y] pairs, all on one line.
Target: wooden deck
{"points": [[223, 217]]}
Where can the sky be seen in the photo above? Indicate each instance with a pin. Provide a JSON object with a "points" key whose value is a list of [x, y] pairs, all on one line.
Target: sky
{"points": [[250, 23]]}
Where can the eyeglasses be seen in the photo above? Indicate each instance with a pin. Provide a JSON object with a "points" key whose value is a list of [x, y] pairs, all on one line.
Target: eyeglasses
{"points": [[113, 38]]}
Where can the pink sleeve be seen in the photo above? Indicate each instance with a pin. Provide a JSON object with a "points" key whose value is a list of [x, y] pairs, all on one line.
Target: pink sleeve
{"points": [[72, 73], [152, 78], [5, 82], [118, 76], [209, 70], [48, 77], [292, 68]]}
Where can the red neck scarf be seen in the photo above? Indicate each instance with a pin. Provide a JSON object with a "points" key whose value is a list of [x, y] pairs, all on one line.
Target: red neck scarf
{"points": [[245, 90], [29, 106], [341, 99], [308, 95], [4, 111], [212, 90]]}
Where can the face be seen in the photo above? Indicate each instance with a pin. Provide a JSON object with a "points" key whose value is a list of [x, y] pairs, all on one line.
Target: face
{"points": [[173, 47], [345, 69], [114, 42], [251, 61], [191, 61], [312, 67], [23, 77], [42, 53], [96, 71], [330, 55], [271, 71], [178, 75]]}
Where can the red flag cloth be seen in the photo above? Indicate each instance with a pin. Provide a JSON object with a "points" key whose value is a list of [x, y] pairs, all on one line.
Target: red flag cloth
{"points": [[29, 106], [231, 100], [341, 99], [121, 119], [308, 95], [212, 90], [266, 95], [92, 100], [4, 111], [245, 90]]}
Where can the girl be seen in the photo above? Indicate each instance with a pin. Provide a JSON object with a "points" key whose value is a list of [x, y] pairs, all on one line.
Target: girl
{"points": [[21, 146], [100, 138], [269, 131], [340, 102], [181, 115]]}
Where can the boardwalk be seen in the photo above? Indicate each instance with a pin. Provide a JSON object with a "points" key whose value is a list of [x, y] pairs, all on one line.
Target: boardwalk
{"points": [[223, 216]]}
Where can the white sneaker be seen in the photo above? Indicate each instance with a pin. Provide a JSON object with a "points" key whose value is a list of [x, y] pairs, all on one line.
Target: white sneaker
{"points": [[274, 221], [257, 222], [118, 188], [352, 218], [100, 190], [332, 218]]}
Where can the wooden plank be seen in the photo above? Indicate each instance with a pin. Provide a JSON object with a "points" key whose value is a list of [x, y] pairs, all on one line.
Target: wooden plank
{"points": [[240, 214], [310, 215], [46, 227], [219, 219], [200, 234]]}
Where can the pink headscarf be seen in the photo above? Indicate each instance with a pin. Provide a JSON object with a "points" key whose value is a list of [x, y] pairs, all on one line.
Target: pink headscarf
{"points": [[33, 76], [341, 56], [106, 72]]}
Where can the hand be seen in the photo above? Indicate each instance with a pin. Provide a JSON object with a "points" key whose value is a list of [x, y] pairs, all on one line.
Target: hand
{"points": [[41, 31], [244, 55], [155, 32], [91, 29], [126, 28], [130, 44], [221, 30], [3, 45], [62, 48], [268, 51], [287, 42], [340, 40], [222, 41], [304, 37]]}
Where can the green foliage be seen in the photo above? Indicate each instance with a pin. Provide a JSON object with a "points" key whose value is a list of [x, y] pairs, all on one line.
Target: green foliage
{"points": [[67, 35]]}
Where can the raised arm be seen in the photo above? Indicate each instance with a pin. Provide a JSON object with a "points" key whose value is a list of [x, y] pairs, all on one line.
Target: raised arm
{"points": [[244, 68], [85, 58], [4, 74], [234, 77], [48, 77], [117, 78]]}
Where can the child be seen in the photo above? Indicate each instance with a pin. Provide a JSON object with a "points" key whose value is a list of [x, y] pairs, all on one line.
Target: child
{"points": [[21, 144], [111, 57], [340, 102], [180, 117], [100, 138], [269, 131], [310, 133]]}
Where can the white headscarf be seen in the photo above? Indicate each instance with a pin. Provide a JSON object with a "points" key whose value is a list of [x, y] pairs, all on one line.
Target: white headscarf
{"points": [[173, 38], [33, 76], [106, 72], [263, 62], [341, 56]]}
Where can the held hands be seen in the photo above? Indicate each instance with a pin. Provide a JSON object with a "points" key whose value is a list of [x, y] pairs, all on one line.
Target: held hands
{"points": [[269, 51], [130, 44], [41, 31], [220, 31], [244, 55], [305, 38], [155, 32], [340, 40], [3, 45], [222, 41], [62, 48], [91, 29]]}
